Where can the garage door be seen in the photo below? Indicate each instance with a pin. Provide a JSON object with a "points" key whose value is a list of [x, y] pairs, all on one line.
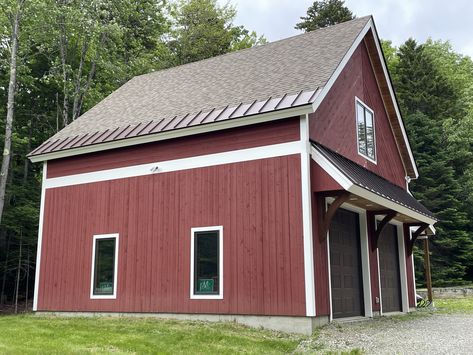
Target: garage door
{"points": [[389, 270], [345, 265]]}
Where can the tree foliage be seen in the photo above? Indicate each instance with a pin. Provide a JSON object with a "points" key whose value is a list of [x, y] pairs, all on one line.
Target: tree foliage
{"points": [[203, 29], [432, 83], [72, 54], [324, 13]]}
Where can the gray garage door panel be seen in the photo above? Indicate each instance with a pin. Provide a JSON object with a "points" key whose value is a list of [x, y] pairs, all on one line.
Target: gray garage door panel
{"points": [[389, 270], [345, 265]]}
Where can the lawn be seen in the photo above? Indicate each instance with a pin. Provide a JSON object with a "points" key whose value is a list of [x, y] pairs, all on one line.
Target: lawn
{"points": [[454, 305], [28, 334]]}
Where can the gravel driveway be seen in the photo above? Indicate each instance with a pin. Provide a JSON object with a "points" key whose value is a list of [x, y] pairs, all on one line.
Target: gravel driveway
{"points": [[418, 334]]}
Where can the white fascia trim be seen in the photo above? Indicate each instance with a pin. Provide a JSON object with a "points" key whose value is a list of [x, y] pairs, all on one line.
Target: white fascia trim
{"points": [[211, 127], [115, 274], [391, 91], [342, 65], [193, 296], [234, 156], [307, 218], [40, 237], [341, 179], [331, 169], [369, 26]]}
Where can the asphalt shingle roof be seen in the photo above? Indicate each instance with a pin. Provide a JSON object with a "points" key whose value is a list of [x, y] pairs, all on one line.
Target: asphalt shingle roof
{"points": [[303, 62]]}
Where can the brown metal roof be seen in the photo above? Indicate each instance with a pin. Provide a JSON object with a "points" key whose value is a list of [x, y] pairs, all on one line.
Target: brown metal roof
{"points": [[177, 122], [370, 181], [239, 84]]}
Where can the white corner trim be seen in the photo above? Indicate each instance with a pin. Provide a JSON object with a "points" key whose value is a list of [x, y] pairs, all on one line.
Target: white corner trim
{"points": [[307, 218], [234, 156], [40, 237], [115, 273], [366, 107], [205, 128], [219, 296]]}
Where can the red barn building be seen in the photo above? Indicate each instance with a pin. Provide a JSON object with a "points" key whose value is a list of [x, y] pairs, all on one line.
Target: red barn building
{"points": [[267, 186]]}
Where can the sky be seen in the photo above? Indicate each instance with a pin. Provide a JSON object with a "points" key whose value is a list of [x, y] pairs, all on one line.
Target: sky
{"points": [[396, 20]]}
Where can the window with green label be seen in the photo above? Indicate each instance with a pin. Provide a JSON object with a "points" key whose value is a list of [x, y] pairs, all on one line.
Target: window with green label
{"points": [[207, 262], [104, 277]]}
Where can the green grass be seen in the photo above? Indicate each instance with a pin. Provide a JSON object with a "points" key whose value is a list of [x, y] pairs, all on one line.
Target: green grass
{"points": [[28, 334], [454, 305]]}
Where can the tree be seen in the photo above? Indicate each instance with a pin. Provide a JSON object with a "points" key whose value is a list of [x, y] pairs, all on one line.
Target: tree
{"points": [[324, 13], [15, 15], [203, 29], [429, 99]]}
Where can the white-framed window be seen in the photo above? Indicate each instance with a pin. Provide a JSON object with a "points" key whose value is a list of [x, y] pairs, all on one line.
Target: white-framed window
{"points": [[206, 278], [103, 280], [365, 130]]}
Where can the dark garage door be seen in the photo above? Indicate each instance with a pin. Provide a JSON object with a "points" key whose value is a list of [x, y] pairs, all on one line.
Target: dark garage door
{"points": [[345, 265], [389, 270]]}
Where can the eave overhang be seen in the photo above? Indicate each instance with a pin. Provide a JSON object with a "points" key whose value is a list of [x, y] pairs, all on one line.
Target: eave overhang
{"points": [[368, 186]]}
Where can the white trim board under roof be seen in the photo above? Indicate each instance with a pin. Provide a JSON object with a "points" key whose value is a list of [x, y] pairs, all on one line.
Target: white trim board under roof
{"points": [[238, 88], [364, 183]]}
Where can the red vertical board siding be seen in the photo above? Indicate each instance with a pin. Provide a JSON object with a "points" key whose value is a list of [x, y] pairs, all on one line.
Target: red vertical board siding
{"points": [[258, 203], [334, 122], [373, 260], [411, 292], [320, 182], [256, 135]]}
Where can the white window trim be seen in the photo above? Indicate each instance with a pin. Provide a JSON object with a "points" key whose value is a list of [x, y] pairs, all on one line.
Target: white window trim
{"points": [[115, 274], [218, 296], [366, 107]]}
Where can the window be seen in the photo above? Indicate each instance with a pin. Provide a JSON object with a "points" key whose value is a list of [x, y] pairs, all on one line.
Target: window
{"points": [[104, 266], [207, 263], [365, 131]]}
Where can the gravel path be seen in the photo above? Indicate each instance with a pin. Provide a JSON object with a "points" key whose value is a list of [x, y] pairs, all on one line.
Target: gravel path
{"points": [[420, 334]]}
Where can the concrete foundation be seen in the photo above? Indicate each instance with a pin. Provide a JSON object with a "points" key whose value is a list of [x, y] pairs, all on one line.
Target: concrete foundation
{"points": [[301, 325]]}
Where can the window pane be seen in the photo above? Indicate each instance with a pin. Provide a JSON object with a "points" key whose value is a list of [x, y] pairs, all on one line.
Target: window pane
{"points": [[104, 266], [206, 278], [360, 115], [370, 145]]}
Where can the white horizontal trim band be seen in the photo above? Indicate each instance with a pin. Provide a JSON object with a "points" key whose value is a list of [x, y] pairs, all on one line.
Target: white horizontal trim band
{"points": [[235, 156]]}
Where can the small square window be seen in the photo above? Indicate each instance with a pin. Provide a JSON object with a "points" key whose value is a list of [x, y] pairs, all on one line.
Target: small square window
{"points": [[365, 131], [206, 263]]}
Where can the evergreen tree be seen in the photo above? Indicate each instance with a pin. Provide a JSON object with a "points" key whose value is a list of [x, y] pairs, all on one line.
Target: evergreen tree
{"points": [[324, 13], [428, 99]]}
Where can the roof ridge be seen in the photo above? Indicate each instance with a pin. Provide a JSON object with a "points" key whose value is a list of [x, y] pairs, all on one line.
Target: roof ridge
{"points": [[305, 34]]}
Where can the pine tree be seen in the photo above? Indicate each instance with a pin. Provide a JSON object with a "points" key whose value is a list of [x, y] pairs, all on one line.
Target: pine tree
{"points": [[324, 13], [428, 100]]}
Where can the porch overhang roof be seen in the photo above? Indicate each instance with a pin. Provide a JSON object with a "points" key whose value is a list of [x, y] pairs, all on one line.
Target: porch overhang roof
{"points": [[369, 186]]}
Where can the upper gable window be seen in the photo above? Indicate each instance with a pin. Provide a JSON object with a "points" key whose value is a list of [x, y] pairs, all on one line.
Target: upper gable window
{"points": [[365, 131]]}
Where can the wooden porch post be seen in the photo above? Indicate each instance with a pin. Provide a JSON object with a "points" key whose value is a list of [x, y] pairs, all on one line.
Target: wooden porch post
{"points": [[428, 277]]}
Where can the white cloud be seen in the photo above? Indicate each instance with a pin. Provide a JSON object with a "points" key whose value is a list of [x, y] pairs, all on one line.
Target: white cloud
{"points": [[396, 20]]}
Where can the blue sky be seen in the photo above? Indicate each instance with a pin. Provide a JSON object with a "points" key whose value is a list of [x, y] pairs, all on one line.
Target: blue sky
{"points": [[396, 20]]}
